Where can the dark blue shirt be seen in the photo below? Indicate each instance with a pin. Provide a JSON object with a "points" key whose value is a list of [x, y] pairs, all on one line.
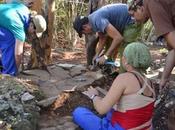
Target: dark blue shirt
{"points": [[115, 14]]}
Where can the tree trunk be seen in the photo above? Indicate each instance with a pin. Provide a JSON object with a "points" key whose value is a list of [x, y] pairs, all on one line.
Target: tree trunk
{"points": [[41, 48], [50, 19], [37, 6]]}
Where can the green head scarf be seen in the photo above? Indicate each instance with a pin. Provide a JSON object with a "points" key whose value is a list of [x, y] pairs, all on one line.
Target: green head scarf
{"points": [[137, 55]]}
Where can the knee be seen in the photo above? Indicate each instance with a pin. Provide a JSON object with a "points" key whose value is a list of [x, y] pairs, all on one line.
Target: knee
{"points": [[78, 113]]}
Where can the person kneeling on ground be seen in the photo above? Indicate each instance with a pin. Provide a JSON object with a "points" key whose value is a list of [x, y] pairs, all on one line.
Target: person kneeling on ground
{"points": [[163, 19], [131, 91]]}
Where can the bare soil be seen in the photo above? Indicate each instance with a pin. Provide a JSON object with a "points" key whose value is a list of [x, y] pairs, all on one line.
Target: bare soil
{"points": [[68, 101]]}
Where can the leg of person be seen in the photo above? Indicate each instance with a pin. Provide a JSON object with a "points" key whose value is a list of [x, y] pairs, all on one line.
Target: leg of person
{"points": [[106, 122], [86, 119], [91, 43], [89, 121], [7, 46]]}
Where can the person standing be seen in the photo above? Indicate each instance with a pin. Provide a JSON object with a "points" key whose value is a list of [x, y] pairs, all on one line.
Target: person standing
{"points": [[91, 40], [111, 21], [162, 14], [16, 25]]}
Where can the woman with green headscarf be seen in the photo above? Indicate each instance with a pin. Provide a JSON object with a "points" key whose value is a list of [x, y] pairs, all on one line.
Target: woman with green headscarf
{"points": [[138, 56], [131, 92]]}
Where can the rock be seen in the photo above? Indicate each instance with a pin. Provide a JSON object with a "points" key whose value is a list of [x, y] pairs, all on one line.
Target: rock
{"points": [[47, 102], [49, 128], [64, 119], [27, 96], [77, 70], [18, 107], [4, 105], [66, 66], [70, 125], [49, 89], [58, 74]]}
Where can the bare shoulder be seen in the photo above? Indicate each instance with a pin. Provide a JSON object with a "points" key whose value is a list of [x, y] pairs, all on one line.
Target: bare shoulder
{"points": [[123, 79], [124, 76]]}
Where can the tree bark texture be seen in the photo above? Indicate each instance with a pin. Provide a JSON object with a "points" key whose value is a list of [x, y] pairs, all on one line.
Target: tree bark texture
{"points": [[41, 48]]}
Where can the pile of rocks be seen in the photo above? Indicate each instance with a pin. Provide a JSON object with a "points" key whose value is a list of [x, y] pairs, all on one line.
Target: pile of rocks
{"points": [[18, 109]]}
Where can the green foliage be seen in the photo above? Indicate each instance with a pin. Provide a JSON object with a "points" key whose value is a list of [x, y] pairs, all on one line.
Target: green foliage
{"points": [[146, 30], [65, 14]]}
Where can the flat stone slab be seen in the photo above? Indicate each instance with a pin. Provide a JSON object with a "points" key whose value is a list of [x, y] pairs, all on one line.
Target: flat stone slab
{"points": [[60, 79]]}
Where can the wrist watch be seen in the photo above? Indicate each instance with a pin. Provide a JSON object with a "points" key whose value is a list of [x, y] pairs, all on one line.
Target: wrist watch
{"points": [[106, 57], [93, 96]]}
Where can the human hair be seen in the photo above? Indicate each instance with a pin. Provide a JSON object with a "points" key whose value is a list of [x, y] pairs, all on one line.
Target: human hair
{"points": [[85, 21], [134, 4]]}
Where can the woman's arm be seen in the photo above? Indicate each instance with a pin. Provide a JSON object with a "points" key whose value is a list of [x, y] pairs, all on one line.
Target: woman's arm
{"points": [[103, 105]]}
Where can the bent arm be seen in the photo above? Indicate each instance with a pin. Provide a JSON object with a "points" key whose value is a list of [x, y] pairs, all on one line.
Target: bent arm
{"points": [[101, 44], [116, 36], [103, 105], [18, 52]]}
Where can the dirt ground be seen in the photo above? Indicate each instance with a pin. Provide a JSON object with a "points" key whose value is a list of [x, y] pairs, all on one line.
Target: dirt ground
{"points": [[67, 101], [77, 55]]}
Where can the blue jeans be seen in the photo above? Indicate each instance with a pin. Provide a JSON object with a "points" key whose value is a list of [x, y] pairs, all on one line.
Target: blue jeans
{"points": [[7, 47], [87, 120]]}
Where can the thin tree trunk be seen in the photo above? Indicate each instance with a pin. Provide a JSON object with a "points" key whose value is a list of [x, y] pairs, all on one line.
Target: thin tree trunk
{"points": [[37, 6], [41, 48], [51, 19]]}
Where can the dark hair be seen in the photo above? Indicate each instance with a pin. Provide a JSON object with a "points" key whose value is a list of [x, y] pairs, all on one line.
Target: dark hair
{"points": [[135, 3], [78, 24]]}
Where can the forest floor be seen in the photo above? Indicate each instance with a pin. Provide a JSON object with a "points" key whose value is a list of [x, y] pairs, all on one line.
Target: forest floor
{"points": [[58, 115]]}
